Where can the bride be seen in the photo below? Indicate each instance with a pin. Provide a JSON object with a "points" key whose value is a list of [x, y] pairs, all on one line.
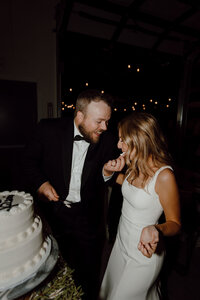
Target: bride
{"points": [[148, 187]]}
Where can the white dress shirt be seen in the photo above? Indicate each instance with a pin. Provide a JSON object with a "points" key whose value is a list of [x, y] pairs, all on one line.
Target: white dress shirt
{"points": [[78, 158], [79, 152]]}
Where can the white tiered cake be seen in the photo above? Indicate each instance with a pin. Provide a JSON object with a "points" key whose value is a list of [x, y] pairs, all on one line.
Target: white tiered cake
{"points": [[22, 246]]}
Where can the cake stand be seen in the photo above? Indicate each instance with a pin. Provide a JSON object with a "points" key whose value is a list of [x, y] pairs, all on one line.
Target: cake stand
{"points": [[41, 274]]}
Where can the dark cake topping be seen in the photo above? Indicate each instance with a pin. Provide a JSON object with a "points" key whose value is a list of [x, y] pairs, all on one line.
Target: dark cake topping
{"points": [[6, 204]]}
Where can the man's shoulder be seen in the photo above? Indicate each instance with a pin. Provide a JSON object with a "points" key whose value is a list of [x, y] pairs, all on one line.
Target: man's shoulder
{"points": [[55, 122], [53, 127]]}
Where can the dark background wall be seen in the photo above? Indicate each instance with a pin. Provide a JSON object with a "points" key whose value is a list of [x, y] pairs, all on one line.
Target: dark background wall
{"points": [[18, 116]]}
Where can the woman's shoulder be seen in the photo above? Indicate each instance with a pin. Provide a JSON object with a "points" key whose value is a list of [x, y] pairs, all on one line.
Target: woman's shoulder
{"points": [[161, 174], [163, 169], [165, 176]]}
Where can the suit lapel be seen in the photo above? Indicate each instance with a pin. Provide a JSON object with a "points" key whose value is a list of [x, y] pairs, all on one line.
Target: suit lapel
{"points": [[67, 147], [89, 162]]}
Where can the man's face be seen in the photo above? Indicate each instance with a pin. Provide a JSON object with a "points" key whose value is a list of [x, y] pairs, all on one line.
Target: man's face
{"points": [[94, 121]]}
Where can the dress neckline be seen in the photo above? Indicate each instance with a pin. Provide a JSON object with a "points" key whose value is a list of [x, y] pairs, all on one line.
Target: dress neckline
{"points": [[140, 188]]}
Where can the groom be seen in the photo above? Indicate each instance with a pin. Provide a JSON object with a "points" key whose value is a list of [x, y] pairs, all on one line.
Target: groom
{"points": [[64, 167]]}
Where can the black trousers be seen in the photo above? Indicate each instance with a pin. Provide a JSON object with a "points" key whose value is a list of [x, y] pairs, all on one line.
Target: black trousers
{"points": [[80, 244]]}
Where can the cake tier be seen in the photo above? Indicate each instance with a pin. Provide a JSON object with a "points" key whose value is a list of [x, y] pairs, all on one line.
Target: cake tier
{"points": [[22, 254], [28, 270], [16, 213], [22, 247]]}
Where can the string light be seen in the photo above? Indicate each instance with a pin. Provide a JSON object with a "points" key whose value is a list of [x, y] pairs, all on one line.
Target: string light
{"points": [[72, 106], [127, 103], [138, 69], [129, 66]]}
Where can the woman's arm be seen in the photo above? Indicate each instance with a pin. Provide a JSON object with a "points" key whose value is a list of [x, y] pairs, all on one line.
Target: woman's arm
{"points": [[167, 190]]}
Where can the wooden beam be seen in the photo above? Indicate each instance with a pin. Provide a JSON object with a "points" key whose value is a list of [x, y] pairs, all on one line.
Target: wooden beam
{"points": [[172, 26]]}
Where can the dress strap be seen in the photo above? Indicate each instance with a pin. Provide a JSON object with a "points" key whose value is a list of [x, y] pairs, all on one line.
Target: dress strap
{"points": [[152, 183]]}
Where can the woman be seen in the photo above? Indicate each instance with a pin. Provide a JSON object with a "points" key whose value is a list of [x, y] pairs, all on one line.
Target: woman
{"points": [[149, 188]]}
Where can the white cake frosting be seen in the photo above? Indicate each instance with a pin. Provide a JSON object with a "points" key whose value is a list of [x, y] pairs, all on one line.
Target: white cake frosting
{"points": [[22, 246]]}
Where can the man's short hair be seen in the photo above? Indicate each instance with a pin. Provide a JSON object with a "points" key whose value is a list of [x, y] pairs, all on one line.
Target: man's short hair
{"points": [[88, 96]]}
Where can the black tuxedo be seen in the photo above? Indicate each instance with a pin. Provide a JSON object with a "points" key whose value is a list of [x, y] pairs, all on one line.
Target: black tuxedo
{"points": [[48, 157]]}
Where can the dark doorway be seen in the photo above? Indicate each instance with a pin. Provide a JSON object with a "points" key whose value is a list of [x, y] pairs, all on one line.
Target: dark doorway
{"points": [[18, 116]]}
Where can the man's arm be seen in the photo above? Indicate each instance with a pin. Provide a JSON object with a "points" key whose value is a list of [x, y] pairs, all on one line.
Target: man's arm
{"points": [[115, 165], [32, 160], [46, 191], [36, 180]]}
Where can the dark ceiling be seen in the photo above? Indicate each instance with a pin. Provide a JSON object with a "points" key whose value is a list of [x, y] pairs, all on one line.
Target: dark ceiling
{"points": [[171, 26], [99, 39]]}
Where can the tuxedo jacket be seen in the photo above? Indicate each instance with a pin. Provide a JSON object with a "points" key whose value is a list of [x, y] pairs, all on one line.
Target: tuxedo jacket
{"points": [[48, 157]]}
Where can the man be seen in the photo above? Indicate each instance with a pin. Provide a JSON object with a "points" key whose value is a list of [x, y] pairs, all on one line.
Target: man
{"points": [[67, 173]]}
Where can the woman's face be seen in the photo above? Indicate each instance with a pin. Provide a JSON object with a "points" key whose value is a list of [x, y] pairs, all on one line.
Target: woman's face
{"points": [[121, 144]]}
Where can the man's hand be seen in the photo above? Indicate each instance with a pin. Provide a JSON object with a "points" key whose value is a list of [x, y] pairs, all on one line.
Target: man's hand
{"points": [[115, 165], [46, 191], [148, 240]]}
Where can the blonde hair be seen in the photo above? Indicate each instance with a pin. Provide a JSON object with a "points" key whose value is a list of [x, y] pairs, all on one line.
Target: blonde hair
{"points": [[142, 134]]}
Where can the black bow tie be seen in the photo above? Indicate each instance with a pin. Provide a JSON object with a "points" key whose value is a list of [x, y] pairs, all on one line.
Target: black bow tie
{"points": [[79, 138]]}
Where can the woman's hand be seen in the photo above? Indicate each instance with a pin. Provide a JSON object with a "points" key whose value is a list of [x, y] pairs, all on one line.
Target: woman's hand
{"points": [[149, 239], [115, 165]]}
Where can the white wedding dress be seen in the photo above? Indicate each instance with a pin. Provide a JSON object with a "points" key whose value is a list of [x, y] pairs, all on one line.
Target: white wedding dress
{"points": [[130, 275]]}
